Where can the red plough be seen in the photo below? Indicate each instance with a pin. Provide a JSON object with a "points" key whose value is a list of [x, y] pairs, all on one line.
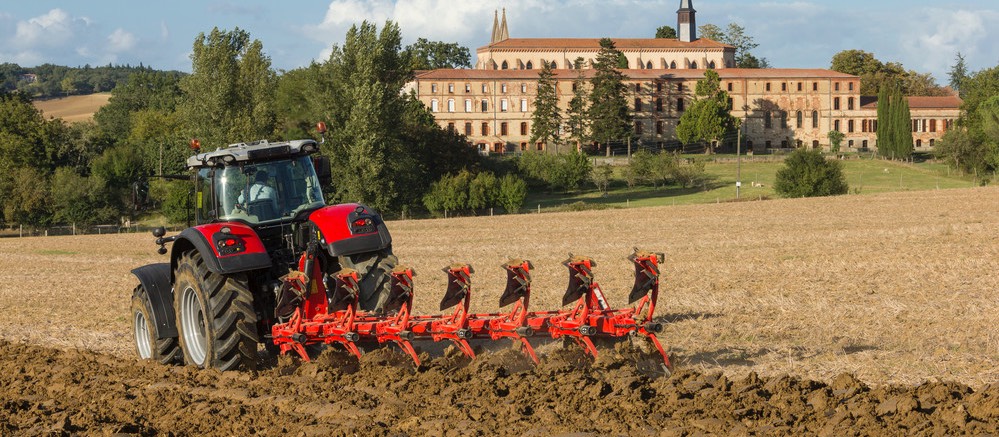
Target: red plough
{"points": [[332, 316]]}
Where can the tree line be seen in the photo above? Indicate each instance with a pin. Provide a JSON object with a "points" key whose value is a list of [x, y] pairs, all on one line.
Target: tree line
{"points": [[48, 80]]}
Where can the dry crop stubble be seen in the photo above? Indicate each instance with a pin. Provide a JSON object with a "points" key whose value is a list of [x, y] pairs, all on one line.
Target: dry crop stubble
{"points": [[895, 288]]}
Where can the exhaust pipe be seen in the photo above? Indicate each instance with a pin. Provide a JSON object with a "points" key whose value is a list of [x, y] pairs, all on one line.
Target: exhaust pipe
{"points": [[656, 327]]}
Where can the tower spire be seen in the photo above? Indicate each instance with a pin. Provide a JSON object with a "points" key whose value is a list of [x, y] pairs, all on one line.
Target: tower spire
{"points": [[504, 33], [494, 38], [686, 25]]}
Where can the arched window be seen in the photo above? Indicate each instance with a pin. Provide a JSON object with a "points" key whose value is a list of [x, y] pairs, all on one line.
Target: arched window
{"points": [[450, 105], [672, 65], [815, 119], [530, 65], [815, 144], [505, 66], [434, 106], [485, 128], [523, 128], [711, 64], [693, 65], [648, 65], [798, 119]]}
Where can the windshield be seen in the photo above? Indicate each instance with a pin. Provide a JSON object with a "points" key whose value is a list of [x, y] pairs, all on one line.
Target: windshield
{"points": [[267, 191]]}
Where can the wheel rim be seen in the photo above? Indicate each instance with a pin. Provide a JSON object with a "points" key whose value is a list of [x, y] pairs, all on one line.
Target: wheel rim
{"points": [[192, 322], [142, 343]]}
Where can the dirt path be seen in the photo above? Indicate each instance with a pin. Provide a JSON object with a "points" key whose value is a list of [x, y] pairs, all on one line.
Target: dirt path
{"points": [[81, 392]]}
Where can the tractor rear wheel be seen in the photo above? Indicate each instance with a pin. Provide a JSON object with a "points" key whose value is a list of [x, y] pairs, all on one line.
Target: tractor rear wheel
{"points": [[147, 346], [375, 280], [215, 316]]}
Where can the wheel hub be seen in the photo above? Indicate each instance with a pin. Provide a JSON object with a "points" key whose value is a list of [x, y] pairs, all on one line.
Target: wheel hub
{"points": [[192, 324], [142, 343]]}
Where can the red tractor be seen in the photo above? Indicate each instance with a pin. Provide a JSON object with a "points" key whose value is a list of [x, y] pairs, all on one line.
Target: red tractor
{"points": [[267, 261]]}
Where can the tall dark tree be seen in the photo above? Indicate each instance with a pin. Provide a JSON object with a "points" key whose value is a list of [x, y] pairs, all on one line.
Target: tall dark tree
{"points": [[547, 117], [958, 73], [430, 55], [666, 32], [577, 124], [229, 95], [902, 124], [884, 130], [608, 112]]}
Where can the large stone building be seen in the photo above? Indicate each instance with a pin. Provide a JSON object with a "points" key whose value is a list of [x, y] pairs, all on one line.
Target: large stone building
{"points": [[781, 108]]}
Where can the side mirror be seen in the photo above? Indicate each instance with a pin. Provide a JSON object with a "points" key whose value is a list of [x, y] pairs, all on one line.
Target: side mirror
{"points": [[322, 165]]}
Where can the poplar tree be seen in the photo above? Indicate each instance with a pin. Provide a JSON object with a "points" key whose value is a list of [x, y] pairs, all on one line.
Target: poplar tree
{"points": [[884, 130], [547, 116], [576, 124], [902, 125], [608, 113]]}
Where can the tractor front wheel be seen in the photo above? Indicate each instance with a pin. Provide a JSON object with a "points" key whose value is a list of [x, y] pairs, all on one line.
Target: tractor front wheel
{"points": [[147, 345], [215, 316]]}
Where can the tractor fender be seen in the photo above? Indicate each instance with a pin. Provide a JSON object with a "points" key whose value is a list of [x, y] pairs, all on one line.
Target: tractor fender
{"points": [[350, 228], [228, 247], [155, 278]]}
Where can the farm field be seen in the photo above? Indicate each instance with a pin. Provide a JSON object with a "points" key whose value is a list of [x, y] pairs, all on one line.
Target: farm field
{"points": [[850, 314], [73, 108]]}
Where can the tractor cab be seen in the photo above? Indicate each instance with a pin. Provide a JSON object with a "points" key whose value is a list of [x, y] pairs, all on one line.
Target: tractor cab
{"points": [[258, 183]]}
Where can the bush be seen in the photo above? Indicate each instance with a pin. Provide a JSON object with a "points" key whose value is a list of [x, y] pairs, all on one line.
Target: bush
{"points": [[806, 173], [513, 191], [564, 172]]}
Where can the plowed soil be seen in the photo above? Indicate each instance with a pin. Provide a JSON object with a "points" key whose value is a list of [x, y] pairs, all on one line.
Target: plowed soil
{"points": [[48, 391], [854, 315]]}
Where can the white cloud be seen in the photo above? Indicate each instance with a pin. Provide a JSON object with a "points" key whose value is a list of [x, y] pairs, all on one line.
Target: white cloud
{"points": [[164, 31], [121, 41], [52, 29], [936, 35]]}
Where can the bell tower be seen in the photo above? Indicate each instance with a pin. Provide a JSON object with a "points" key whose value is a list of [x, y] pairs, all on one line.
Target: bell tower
{"points": [[686, 25]]}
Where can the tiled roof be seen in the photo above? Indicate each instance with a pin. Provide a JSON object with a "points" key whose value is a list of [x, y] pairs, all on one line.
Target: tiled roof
{"points": [[558, 44], [563, 74]]}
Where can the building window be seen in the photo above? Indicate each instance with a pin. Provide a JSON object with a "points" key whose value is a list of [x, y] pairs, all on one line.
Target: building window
{"points": [[468, 128], [503, 129], [693, 65], [523, 128], [505, 66], [450, 105], [659, 87], [485, 105], [863, 125], [815, 86], [815, 144], [849, 101], [799, 87], [523, 87], [783, 86], [503, 105], [679, 87], [433, 87], [849, 125], [672, 65], [638, 87], [815, 119], [932, 142], [863, 144], [450, 127], [468, 105], [919, 143], [679, 104], [503, 88], [523, 105], [836, 86], [659, 104], [485, 128], [729, 104], [638, 104], [850, 86], [468, 87], [767, 120], [798, 119], [434, 106], [933, 125], [850, 144], [659, 127], [836, 125], [768, 87], [485, 88], [730, 87], [638, 127], [530, 65], [574, 87], [836, 103], [450, 88], [783, 119]]}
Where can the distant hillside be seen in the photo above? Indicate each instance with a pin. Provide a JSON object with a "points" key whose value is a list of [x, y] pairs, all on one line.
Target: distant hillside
{"points": [[73, 108]]}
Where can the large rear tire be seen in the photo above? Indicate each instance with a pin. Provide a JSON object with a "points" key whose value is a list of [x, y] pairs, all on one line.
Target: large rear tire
{"points": [[374, 271], [215, 316], [147, 346]]}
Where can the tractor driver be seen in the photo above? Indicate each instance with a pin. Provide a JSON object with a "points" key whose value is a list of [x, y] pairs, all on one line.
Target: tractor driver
{"points": [[261, 199]]}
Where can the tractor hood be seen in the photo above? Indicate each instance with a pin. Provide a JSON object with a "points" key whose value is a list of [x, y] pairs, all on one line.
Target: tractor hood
{"points": [[350, 228]]}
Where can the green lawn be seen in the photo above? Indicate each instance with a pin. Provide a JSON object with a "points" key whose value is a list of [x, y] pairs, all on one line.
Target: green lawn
{"points": [[864, 176]]}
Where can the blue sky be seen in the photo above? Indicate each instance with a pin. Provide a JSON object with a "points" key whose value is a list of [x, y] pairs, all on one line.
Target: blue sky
{"points": [[924, 35]]}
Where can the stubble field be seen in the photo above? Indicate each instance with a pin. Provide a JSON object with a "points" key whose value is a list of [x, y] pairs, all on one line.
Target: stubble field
{"points": [[867, 302]]}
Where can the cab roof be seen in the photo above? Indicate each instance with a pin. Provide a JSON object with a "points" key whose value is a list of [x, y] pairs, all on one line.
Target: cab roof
{"points": [[255, 151]]}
